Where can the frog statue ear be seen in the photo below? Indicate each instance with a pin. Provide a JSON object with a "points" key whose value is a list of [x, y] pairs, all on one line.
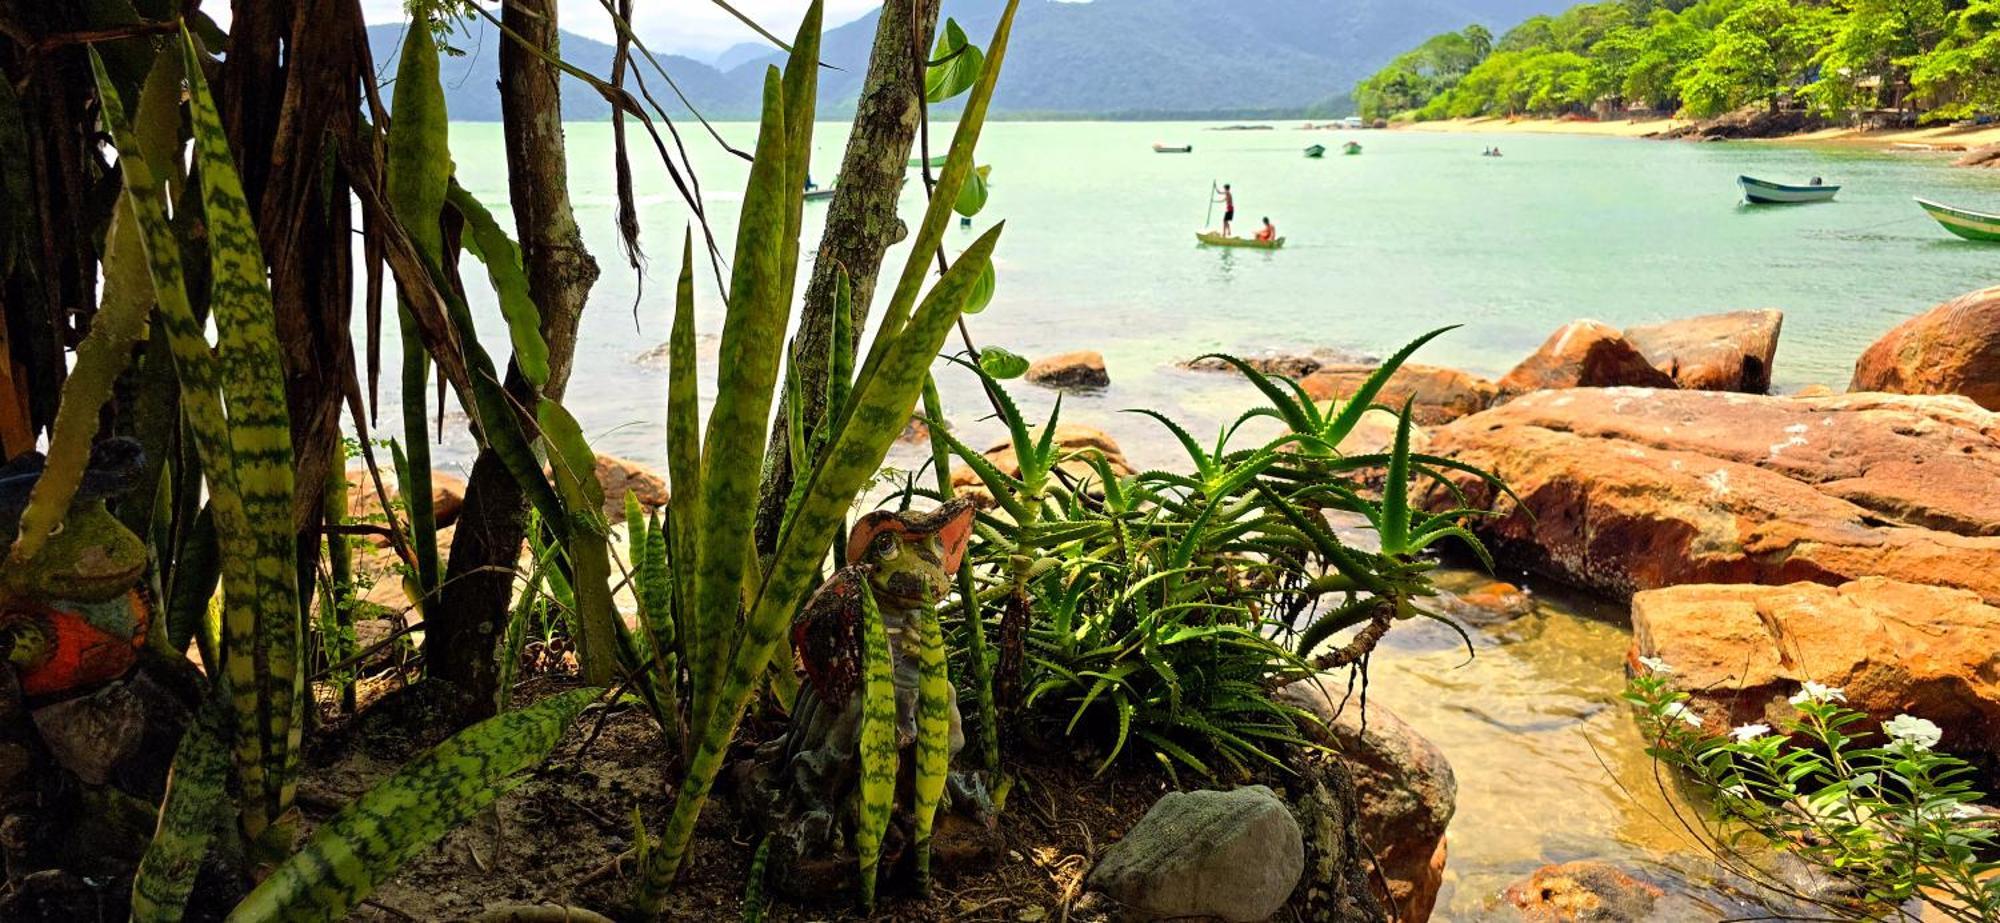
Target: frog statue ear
{"points": [[956, 532]]}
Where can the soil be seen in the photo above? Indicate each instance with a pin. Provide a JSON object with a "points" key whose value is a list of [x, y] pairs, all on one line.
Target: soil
{"points": [[561, 837]]}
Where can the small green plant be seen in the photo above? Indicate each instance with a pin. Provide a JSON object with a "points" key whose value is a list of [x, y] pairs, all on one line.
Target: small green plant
{"points": [[1882, 812]]}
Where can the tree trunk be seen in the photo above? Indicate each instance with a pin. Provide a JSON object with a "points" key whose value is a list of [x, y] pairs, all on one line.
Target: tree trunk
{"points": [[861, 225], [466, 625]]}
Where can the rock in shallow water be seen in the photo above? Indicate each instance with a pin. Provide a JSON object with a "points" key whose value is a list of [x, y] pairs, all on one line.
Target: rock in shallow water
{"points": [[1583, 354], [1583, 892], [1232, 856], [1079, 370], [1714, 352], [1741, 651], [1629, 489], [1953, 348], [1436, 395]]}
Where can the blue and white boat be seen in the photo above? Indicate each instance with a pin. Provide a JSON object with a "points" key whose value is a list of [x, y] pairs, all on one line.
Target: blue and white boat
{"points": [[1763, 192]]}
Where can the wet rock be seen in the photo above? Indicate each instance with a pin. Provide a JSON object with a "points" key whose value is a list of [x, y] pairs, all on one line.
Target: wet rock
{"points": [[1953, 348], [1583, 354], [1714, 352], [1814, 391], [1080, 370], [1741, 651], [620, 476], [1408, 792], [1232, 856], [915, 431], [1755, 121], [1291, 365], [1485, 602], [1583, 892], [1440, 395], [1984, 156], [1628, 489], [1336, 887], [364, 505]]}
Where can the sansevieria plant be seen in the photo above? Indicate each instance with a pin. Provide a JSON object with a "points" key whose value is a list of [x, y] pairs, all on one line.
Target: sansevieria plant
{"points": [[740, 609]]}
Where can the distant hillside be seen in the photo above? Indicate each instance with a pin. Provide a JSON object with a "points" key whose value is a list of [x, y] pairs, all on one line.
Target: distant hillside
{"points": [[1106, 58]]}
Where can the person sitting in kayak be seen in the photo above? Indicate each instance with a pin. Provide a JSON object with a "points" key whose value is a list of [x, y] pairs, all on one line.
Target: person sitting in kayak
{"points": [[1268, 232], [1228, 210]]}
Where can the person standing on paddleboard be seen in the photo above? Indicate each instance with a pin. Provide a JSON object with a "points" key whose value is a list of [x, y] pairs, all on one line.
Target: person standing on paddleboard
{"points": [[1228, 210]]}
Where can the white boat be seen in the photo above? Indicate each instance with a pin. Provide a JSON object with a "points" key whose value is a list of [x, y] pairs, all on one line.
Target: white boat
{"points": [[1763, 192]]}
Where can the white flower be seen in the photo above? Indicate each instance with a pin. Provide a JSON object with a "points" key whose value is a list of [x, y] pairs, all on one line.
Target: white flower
{"points": [[1912, 730], [1656, 665], [1738, 790], [1815, 692], [1683, 712], [1750, 732]]}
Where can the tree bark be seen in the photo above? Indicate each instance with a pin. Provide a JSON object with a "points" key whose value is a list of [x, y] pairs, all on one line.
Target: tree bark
{"points": [[861, 225], [466, 625]]}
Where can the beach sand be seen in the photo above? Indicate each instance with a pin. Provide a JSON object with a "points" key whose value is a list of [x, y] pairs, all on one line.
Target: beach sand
{"points": [[1936, 138]]}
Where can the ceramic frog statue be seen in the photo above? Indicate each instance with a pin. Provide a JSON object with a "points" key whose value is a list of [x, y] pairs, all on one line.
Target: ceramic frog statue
{"points": [[805, 786]]}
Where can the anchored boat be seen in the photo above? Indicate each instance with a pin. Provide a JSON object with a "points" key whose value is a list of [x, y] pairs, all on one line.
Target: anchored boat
{"points": [[1970, 225], [1217, 239], [1161, 148], [819, 195], [1764, 192], [1351, 148], [1316, 151]]}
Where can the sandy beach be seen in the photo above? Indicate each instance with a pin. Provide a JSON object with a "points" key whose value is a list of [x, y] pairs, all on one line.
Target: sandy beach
{"points": [[1933, 138]]}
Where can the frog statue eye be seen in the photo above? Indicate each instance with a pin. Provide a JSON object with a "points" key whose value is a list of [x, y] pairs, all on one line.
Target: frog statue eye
{"points": [[888, 546]]}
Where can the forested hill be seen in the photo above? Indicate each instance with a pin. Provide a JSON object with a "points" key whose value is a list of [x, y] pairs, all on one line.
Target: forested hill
{"points": [[1921, 60], [1112, 58]]}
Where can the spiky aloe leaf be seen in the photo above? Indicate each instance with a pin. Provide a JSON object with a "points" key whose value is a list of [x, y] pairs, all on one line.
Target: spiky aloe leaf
{"points": [[418, 175], [933, 737], [404, 814], [189, 817], [878, 741], [1363, 397], [502, 257]]}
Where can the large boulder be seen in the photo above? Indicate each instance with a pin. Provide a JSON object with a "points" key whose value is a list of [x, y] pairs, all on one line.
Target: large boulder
{"points": [[1629, 489], [1079, 370], [1583, 892], [1741, 651], [1233, 856], [1953, 348], [1714, 352], [1072, 439], [1407, 790], [1583, 354], [1439, 395]]}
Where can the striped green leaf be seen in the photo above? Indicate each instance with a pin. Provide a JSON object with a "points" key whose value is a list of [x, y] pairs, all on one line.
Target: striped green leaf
{"points": [[502, 257], [877, 740], [189, 817], [404, 814]]}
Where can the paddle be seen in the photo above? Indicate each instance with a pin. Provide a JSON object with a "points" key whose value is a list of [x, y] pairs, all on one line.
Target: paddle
{"points": [[1210, 220]]}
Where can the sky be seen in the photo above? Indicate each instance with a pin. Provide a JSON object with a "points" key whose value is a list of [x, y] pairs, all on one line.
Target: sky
{"points": [[696, 28]]}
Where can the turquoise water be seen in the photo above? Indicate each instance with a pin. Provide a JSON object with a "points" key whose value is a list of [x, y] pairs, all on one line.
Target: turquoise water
{"points": [[1416, 233]]}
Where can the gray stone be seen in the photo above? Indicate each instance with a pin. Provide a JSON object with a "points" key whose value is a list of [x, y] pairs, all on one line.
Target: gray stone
{"points": [[1232, 856]]}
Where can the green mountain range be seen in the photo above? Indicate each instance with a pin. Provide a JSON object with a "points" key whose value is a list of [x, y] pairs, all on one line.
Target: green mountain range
{"points": [[1104, 58]]}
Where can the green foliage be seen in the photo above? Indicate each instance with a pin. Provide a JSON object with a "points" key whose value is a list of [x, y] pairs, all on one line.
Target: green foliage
{"points": [[1708, 58], [407, 812], [1166, 608], [1876, 809], [955, 65]]}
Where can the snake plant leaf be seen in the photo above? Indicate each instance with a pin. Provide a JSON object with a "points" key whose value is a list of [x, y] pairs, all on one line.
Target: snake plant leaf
{"points": [[502, 257], [189, 818], [801, 84], [706, 658], [958, 74], [957, 166], [404, 814], [877, 736], [575, 467], [972, 198], [933, 753], [263, 645], [752, 343], [1002, 364], [982, 295]]}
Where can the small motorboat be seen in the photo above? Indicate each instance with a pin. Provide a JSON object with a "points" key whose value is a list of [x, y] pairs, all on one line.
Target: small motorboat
{"points": [[1160, 147], [1316, 151], [1218, 239], [1350, 148], [1971, 225], [1764, 192], [819, 195]]}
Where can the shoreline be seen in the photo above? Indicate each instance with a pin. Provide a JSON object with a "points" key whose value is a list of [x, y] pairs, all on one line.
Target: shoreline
{"points": [[1937, 138]]}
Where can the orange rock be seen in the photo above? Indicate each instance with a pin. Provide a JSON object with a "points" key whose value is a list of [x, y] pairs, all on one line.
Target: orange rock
{"points": [[1583, 891], [365, 507], [1953, 348], [1741, 651], [1071, 438], [1082, 369], [620, 476], [1583, 354], [1714, 352], [1632, 489], [1441, 395]]}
